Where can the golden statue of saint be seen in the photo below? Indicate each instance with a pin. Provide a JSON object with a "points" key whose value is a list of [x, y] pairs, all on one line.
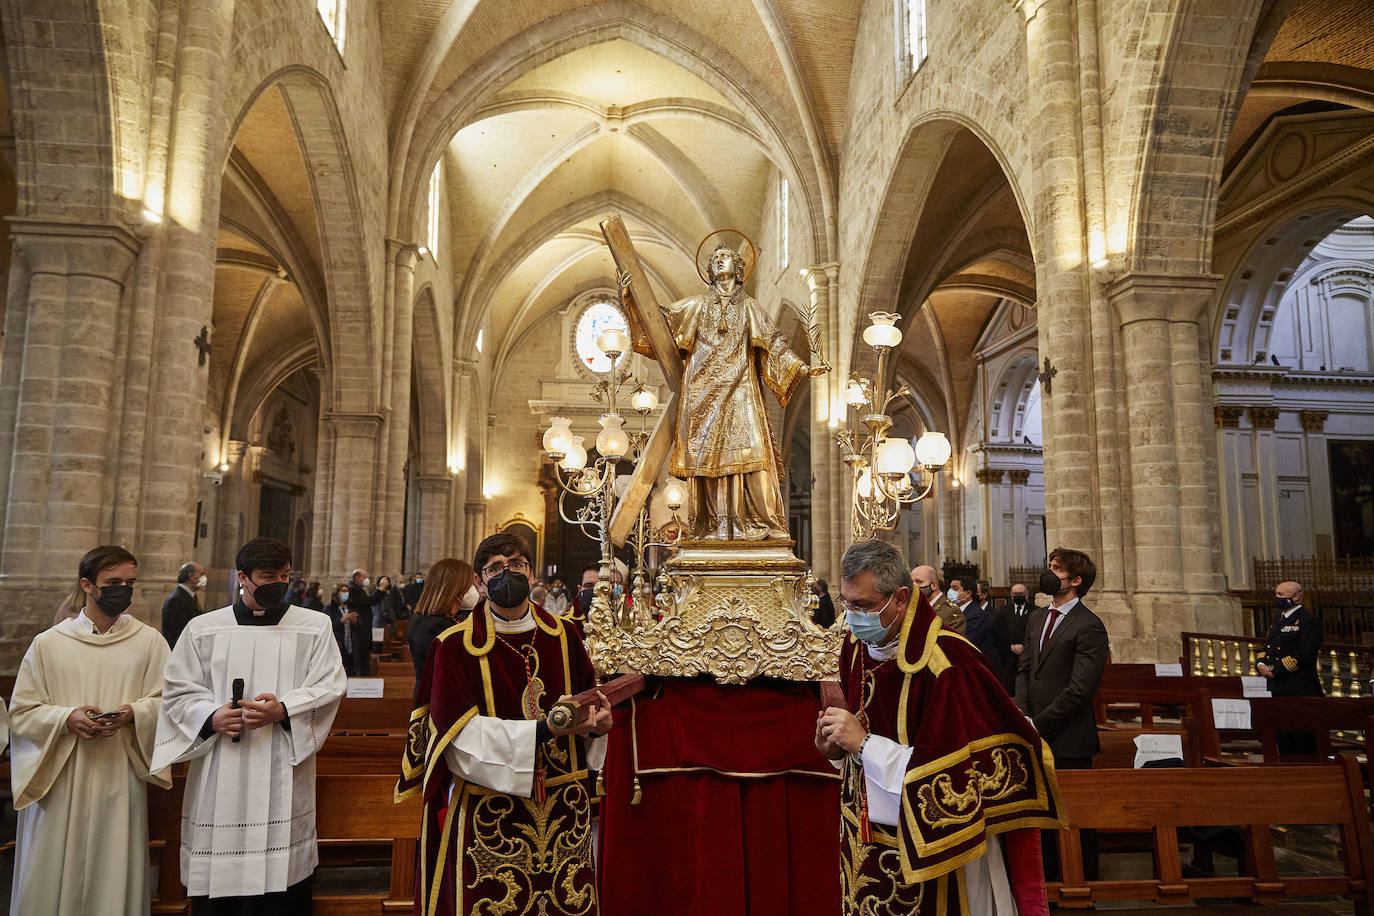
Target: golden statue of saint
{"points": [[723, 445]]}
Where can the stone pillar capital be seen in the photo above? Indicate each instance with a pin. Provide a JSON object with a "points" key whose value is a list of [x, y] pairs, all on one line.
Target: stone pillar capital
{"points": [[1019, 476], [403, 254], [354, 425], [821, 276], [1227, 416], [68, 249], [1264, 417], [434, 483], [989, 475], [464, 367], [1313, 421], [1161, 297]]}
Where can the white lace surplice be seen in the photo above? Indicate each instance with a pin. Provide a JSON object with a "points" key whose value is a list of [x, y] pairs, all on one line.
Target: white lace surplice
{"points": [[248, 819]]}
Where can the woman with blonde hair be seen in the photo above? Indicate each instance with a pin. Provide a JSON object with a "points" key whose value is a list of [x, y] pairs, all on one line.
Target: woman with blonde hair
{"points": [[449, 595]]}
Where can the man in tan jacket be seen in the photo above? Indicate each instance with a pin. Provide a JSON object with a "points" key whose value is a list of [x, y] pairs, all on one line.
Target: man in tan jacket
{"points": [[924, 580]]}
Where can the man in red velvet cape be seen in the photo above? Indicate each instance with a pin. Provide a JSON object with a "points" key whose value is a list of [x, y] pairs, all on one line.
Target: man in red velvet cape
{"points": [[944, 782], [507, 812]]}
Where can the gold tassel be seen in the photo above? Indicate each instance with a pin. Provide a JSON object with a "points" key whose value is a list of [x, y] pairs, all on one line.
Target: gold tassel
{"points": [[600, 785], [638, 795], [540, 795]]}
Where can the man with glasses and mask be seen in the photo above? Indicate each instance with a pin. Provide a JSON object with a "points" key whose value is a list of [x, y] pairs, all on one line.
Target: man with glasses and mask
{"points": [[924, 718], [249, 694], [507, 812]]}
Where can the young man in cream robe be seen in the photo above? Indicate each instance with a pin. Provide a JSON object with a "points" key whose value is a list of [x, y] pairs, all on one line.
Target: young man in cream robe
{"points": [[248, 841], [78, 781]]}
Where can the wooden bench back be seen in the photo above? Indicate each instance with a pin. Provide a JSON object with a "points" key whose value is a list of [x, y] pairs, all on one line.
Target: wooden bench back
{"points": [[386, 716], [1255, 798], [349, 809], [1319, 715], [343, 754], [1194, 702]]}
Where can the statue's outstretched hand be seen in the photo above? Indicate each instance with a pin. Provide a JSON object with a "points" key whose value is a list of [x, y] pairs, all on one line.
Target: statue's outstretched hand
{"points": [[817, 370]]}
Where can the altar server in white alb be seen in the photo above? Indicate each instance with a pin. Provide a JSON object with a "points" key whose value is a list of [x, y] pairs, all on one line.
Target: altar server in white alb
{"points": [[248, 843], [82, 720]]}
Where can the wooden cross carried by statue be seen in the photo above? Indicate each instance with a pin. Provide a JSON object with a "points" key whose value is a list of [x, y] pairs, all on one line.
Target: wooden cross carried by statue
{"points": [[636, 294]]}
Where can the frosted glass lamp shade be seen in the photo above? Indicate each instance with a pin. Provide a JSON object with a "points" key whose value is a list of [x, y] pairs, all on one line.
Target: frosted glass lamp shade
{"points": [[854, 394], [933, 450], [895, 458], [558, 438], [576, 459], [883, 332], [674, 494], [622, 485], [864, 485], [613, 340], [612, 442], [644, 400]]}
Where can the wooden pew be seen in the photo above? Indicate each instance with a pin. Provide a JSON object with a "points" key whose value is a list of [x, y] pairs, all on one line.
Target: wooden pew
{"points": [[1194, 703], [1320, 715], [1257, 798], [386, 716], [396, 669], [1120, 692], [353, 810], [361, 754]]}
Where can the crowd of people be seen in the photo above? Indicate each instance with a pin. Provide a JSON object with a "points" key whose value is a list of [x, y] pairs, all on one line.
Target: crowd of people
{"points": [[936, 680]]}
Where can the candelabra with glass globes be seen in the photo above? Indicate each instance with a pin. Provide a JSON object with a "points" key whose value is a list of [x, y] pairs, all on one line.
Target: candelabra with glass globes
{"points": [[598, 483], [882, 466]]}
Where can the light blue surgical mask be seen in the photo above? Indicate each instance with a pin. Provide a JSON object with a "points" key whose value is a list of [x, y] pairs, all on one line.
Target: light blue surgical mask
{"points": [[952, 594], [867, 626]]}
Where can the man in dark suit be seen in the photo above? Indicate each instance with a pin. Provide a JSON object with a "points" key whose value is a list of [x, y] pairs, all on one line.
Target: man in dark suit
{"points": [[182, 604], [1015, 617], [1062, 660], [1062, 663], [1289, 659], [824, 614], [991, 638]]}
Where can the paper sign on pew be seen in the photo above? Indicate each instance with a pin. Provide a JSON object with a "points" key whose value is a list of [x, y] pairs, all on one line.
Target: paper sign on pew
{"points": [[379, 634], [1157, 747], [1174, 670], [1231, 714], [368, 688], [1254, 686]]}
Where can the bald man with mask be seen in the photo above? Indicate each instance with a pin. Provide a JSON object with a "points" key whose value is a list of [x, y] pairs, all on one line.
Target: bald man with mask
{"points": [[925, 581]]}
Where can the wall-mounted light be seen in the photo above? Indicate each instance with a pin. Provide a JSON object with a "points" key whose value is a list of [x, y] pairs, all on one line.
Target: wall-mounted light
{"points": [[151, 216]]}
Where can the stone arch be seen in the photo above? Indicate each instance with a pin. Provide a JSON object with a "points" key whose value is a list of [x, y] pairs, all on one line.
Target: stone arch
{"points": [[61, 101], [344, 271], [414, 157], [1256, 282], [1009, 395], [432, 392], [1206, 59], [904, 197]]}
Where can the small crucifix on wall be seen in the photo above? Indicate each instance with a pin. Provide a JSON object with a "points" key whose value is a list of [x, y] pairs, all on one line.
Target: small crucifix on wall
{"points": [[203, 344], [1046, 375]]}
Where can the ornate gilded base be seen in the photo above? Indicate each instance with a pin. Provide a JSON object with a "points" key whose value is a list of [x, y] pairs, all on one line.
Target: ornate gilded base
{"points": [[735, 610]]}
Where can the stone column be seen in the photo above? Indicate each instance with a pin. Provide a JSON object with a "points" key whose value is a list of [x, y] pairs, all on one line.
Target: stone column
{"points": [[403, 255], [1262, 419], [433, 494], [1173, 503], [171, 461], [474, 525], [1318, 479], [61, 357], [1235, 535], [1018, 555], [991, 504], [350, 541], [824, 452]]}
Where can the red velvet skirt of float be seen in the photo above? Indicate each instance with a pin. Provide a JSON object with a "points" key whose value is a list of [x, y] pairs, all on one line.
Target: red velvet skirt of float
{"points": [[738, 813]]}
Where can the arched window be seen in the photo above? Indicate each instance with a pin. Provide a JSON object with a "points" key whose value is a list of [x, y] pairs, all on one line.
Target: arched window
{"points": [[911, 36], [432, 223], [333, 14], [597, 317]]}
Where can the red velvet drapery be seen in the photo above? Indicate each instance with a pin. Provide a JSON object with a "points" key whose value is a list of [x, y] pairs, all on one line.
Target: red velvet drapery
{"points": [[738, 813]]}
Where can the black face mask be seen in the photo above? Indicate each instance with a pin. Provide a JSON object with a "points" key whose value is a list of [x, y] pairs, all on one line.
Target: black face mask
{"points": [[1019, 600], [584, 598], [1051, 584], [271, 595], [115, 599], [508, 589]]}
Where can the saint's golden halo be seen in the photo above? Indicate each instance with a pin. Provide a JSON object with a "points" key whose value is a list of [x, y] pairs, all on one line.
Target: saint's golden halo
{"points": [[730, 238]]}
